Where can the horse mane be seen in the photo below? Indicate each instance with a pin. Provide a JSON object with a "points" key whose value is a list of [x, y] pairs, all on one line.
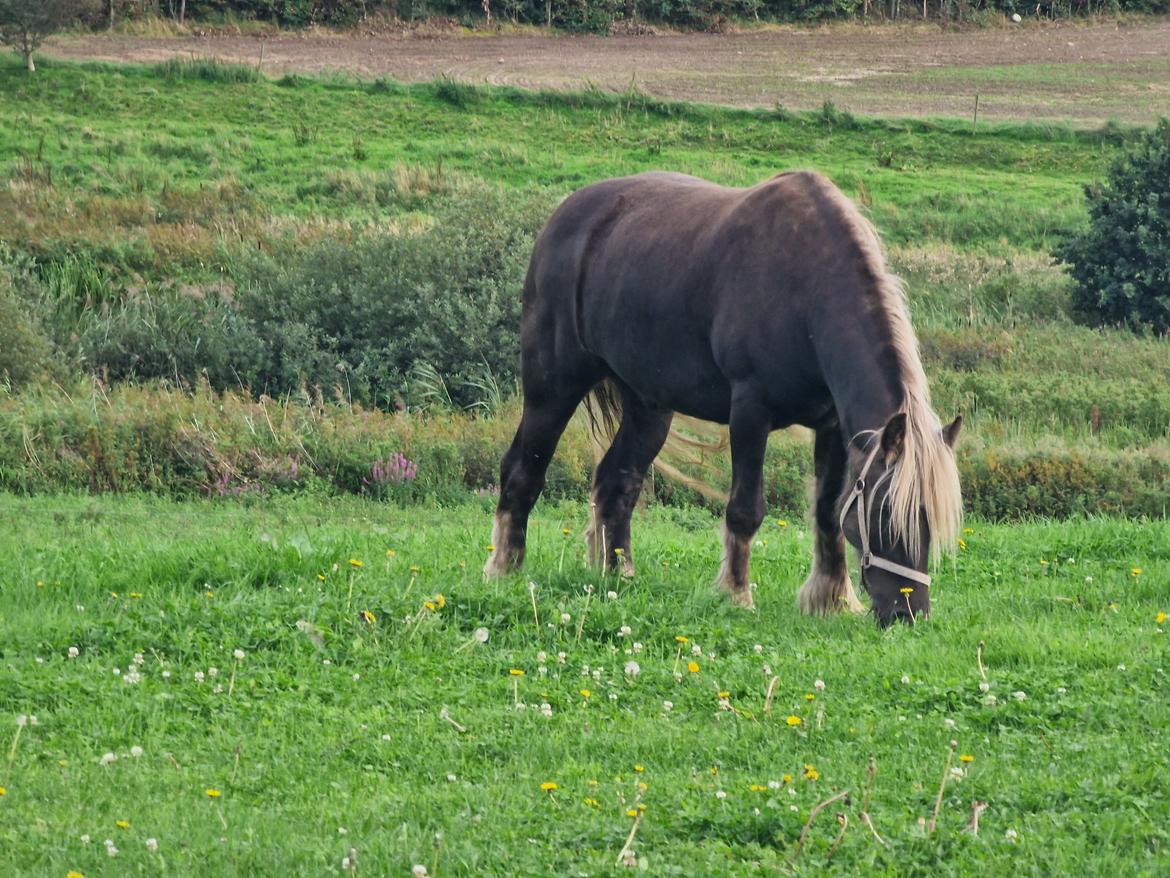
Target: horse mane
{"points": [[925, 476]]}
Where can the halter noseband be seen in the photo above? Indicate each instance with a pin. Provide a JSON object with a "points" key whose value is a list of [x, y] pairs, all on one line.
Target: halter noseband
{"points": [[868, 559]]}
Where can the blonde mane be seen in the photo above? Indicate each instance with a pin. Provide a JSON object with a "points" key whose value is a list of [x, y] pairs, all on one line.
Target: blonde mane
{"points": [[925, 476]]}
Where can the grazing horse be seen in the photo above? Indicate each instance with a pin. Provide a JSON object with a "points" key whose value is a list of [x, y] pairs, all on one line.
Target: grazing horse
{"points": [[759, 308]]}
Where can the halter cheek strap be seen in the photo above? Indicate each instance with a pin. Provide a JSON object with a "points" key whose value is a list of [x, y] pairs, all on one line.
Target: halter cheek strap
{"points": [[868, 559]]}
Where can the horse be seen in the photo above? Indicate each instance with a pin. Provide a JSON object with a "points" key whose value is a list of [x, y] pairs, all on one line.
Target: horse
{"points": [[758, 308]]}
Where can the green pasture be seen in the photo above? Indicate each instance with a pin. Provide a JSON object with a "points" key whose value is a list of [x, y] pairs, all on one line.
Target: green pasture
{"points": [[365, 715]]}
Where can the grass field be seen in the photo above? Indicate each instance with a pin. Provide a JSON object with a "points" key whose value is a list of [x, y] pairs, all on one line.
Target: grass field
{"points": [[329, 734]]}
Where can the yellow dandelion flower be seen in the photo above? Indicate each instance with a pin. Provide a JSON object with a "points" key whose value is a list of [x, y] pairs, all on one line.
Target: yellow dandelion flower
{"points": [[430, 605], [136, 595], [693, 667], [585, 693], [619, 551], [780, 522], [565, 531], [368, 617], [592, 783], [787, 778], [968, 530], [1136, 571], [808, 696], [714, 770], [113, 594], [966, 757], [962, 544], [3, 791], [415, 569], [811, 773], [40, 583], [680, 639], [320, 577], [907, 590], [643, 787], [440, 601], [639, 767], [209, 594], [122, 824], [757, 788], [592, 803], [1160, 618], [516, 672], [1043, 563], [355, 562], [630, 812], [390, 553], [641, 808], [723, 693], [490, 547], [548, 786], [73, 873], [793, 720], [213, 793]]}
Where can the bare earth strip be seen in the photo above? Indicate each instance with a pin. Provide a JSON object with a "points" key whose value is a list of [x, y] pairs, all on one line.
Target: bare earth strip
{"points": [[1085, 73]]}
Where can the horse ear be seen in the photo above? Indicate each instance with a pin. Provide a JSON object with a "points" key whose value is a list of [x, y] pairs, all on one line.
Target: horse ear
{"points": [[894, 437], [950, 432]]}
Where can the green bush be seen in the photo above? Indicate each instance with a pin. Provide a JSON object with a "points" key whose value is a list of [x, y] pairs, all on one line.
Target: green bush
{"points": [[359, 315], [25, 349], [1121, 262]]}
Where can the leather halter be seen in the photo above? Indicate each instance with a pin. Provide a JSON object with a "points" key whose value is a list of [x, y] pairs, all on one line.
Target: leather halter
{"points": [[868, 559]]}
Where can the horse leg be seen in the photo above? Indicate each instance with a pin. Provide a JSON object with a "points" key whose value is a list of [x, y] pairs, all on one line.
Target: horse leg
{"points": [[828, 588], [522, 473], [750, 426], [618, 480]]}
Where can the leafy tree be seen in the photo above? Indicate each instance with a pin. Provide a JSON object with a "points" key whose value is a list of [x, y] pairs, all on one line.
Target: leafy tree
{"points": [[1121, 262], [24, 24]]}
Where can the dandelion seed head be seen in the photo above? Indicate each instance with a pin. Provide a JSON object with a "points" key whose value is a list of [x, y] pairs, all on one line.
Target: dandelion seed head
{"points": [[136, 751], [74, 652]]}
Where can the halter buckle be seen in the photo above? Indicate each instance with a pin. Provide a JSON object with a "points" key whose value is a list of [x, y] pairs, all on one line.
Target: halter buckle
{"points": [[866, 559]]}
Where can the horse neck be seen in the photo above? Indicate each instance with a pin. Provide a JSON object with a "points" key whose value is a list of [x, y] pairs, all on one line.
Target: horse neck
{"points": [[860, 368]]}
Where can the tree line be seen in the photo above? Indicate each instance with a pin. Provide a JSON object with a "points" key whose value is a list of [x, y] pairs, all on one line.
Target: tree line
{"points": [[20, 20]]}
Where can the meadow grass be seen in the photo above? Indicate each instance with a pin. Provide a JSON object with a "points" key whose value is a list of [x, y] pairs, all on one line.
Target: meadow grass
{"points": [[358, 719]]}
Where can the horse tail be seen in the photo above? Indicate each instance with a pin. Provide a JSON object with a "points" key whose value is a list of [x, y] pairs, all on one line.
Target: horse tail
{"points": [[603, 407]]}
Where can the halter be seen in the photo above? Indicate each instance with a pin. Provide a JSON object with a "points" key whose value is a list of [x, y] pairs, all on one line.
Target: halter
{"points": [[868, 559]]}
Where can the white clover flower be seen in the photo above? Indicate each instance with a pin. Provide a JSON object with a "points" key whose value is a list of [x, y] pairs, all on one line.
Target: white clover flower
{"points": [[774, 785], [541, 657], [21, 720], [566, 618], [451, 778], [110, 849], [356, 677], [198, 676], [612, 595], [138, 658], [696, 649], [117, 672], [418, 870], [542, 670], [1121, 667], [758, 649], [584, 670], [74, 652], [561, 658], [136, 751], [213, 672], [152, 845], [625, 631], [520, 706], [636, 647], [341, 830], [668, 706], [1011, 835], [990, 701], [385, 737], [819, 685], [132, 677], [238, 654], [166, 675], [948, 723], [767, 670], [597, 674], [108, 758], [218, 688], [85, 839], [1019, 695], [984, 686], [719, 794], [957, 773], [905, 679], [633, 669], [1060, 690], [481, 635], [546, 708]]}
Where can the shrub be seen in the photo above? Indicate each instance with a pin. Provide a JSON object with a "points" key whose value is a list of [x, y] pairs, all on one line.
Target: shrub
{"points": [[25, 349], [1121, 262], [359, 315]]}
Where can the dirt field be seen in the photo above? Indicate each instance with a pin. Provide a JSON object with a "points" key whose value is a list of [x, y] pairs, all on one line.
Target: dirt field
{"points": [[1087, 73]]}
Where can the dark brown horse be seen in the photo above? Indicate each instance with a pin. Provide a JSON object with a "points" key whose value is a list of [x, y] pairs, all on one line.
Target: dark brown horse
{"points": [[758, 308]]}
